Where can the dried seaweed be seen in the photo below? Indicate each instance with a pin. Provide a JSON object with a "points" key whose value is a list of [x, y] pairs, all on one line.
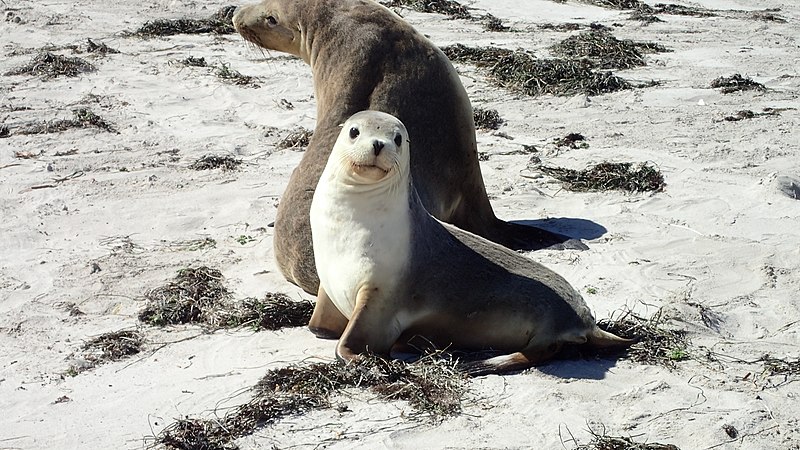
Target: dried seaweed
{"points": [[108, 347], [225, 72], [647, 14], [654, 344], [613, 4], [199, 296], [766, 15], [645, 17], [741, 115], [605, 50], [522, 71], [609, 176], [114, 346], [99, 48], [81, 118], [572, 140], [777, 366], [49, 65], [681, 10], [298, 138], [219, 23], [569, 26], [605, 442], [192, 61], [748, 114], [735, 83], [492, 23], [487, 119], [432, 386], [208, 162], [273, 312], [190, 298], [450, 8]]}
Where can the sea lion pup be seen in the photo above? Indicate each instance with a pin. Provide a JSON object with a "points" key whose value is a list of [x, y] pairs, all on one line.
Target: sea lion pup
{"points": [[363, 56], [395, 272]]}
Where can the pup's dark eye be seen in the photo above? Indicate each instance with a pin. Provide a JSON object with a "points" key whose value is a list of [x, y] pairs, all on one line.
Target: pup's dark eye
{"points": [[271, 21], [354, 133], [398, 140]]}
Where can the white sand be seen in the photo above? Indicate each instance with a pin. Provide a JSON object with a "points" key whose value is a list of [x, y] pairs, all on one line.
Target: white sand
{"points": [[722, 238]]}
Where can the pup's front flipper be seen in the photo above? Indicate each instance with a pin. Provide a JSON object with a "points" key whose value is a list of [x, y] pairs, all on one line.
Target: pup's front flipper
{"points": [[373, 327]]}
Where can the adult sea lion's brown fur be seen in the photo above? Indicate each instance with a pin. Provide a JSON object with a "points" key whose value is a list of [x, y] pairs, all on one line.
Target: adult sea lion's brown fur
{"points": [[363, 56]]}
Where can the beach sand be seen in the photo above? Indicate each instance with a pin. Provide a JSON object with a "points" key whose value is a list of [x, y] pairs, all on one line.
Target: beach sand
{"points": [[91, 220]]}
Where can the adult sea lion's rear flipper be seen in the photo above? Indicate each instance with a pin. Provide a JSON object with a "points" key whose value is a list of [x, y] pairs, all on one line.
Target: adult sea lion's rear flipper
{"points": [[525, 237], [599, 338]]}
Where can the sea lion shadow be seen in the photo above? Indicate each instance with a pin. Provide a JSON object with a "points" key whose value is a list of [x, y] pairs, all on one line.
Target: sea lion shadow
{"points": [[572, 227], [584, 369]]}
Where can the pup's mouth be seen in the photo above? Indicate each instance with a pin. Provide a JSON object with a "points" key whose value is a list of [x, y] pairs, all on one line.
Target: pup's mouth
{"points": [[370, 171]]}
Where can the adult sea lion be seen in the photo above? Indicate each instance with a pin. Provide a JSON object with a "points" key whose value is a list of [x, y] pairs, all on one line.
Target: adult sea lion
{"points": [[364, 56], [394, 272]]}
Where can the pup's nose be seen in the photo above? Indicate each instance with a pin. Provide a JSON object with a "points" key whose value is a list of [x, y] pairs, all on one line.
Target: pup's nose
{"points": [[377, 146]]}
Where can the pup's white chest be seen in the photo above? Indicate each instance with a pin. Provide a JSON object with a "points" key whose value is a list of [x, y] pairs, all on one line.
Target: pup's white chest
{"points": [[359, 238]]}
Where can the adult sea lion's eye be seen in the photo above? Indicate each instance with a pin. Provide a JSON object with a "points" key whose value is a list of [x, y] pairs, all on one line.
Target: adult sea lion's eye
{"points": [[271, 21], [354, 133], [398, 140]]}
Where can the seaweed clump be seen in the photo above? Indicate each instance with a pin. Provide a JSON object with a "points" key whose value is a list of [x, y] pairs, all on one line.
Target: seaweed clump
{"points": [[49, 65], [487, 119], [208, 162], [609, 176], [736, 83], [654, 344], [433, 387], [492, 23], [218, 23], [81, 118], [108, 347], [778, 366], [572, 140], [99, 48], [190, 298], [605, 50], [193, 61], [298, 138], [450, 8], [522, 71], [606, 442], [224, 71], [273, 312], [198, 295]]}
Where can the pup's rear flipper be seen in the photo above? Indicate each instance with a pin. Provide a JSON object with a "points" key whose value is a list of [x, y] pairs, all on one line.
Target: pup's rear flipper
{"points": [[511, 362]]}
